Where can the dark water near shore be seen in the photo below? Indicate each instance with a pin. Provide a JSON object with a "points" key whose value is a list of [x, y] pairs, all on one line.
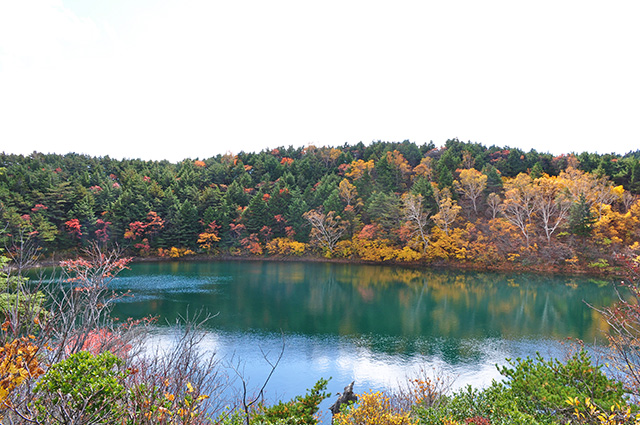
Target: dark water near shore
{"points": [[371, 324]]}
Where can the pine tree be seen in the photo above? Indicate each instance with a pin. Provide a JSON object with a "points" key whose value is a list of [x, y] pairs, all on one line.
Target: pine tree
{"points": [[189, 225], [294, 217], [333, 203], [581, 219], [385, 176], [257, 214]]}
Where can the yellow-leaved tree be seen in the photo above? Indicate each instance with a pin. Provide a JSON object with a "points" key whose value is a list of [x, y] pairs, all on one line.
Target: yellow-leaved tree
{"points": [[471, 185]]}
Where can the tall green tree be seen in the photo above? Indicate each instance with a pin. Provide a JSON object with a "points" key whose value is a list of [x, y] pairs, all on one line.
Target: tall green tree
{"points": [[189, 225], [256, 216]]}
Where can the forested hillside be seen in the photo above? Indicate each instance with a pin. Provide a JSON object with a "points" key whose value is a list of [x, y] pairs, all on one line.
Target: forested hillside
{"points": [[463, 203]]}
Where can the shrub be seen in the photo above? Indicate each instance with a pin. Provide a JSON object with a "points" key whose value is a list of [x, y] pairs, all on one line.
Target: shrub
{"points": [[494, 405], [300, 410], [285, 247], [372, 408], [82, 389], [542, 387], [152, 404], [423, 389], [536, 391]]}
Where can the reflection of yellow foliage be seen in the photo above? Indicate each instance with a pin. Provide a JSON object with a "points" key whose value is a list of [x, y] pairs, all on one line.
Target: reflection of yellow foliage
{"points": [[433, 299]]}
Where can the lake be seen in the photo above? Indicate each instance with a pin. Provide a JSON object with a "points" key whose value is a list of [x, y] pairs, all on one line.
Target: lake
{"points": [[365, 323]]}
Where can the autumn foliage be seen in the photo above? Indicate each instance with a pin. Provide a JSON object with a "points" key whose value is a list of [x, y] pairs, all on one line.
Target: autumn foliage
{"points": [[459, 204], [18, 363]]}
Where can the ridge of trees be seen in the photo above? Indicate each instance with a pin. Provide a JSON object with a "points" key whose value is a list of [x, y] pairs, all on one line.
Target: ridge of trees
{"points": [[386, 201]]}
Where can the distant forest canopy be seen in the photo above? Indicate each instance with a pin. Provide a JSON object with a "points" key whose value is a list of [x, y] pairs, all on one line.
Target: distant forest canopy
{"points": [[385, 201]]}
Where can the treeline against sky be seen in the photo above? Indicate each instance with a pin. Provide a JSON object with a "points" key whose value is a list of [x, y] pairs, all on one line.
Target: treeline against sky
{"points": [[385, 201]]}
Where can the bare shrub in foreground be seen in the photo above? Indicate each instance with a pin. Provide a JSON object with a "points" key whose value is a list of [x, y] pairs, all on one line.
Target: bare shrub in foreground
{"points": [[424, 388], [178, 381]]}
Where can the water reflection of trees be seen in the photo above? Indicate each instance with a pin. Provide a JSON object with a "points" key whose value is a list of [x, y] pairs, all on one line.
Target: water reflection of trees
{"points": [[404, 304]]}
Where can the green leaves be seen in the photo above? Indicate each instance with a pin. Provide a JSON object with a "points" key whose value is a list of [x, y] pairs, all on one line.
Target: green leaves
{"points": [[300, 410], [84, 384], [543, 386]]}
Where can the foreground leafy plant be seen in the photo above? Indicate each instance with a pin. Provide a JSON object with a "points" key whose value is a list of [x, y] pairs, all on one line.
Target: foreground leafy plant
{"points": [[585, 412], [535, 392], [372, 408], [542, 387], [18, 362], [82, 389], [300, 410]]}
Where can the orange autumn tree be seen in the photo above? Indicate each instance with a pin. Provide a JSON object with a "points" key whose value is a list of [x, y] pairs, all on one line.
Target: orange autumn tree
{"points": [[401, 167], [370, 245], [18, 363], [425, 168], [359, 169], [209, 237], [251, 244]]}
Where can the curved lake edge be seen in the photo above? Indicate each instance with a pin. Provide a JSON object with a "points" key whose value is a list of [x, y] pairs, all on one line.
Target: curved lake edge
{"points": [[463, 329], [543, 269], [376, 358]]}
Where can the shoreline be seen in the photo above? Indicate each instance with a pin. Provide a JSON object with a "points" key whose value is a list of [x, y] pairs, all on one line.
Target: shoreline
{"points": [[442, 265]]}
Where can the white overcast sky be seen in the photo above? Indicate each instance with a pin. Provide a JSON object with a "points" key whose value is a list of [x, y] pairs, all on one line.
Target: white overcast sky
{"points": [[174, 79]]}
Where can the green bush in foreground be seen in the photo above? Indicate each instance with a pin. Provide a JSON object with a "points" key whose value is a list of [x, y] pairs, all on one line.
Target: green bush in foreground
{"points": [[82, 389], [536, 391], [299, 411]]}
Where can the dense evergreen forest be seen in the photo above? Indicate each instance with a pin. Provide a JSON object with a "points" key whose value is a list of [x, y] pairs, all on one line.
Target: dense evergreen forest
{"points": [[462, 203]]}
